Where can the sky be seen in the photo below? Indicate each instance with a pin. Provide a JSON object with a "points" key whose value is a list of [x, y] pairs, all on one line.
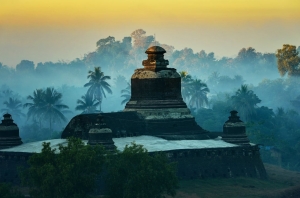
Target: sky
{"points": [[62, 30]]}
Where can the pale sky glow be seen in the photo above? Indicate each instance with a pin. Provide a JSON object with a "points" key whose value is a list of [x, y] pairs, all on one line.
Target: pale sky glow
{"points": [[41, 30]]}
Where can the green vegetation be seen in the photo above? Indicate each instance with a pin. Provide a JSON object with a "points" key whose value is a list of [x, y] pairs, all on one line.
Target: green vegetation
{"points": [[268, 103], [245, 101], [98, 85], [126, 94], [281, 183], [88, 104], [46, 105], [136, 173], [288, 60], [14, 106], [194, 91], [273, 129], [71, 171]]}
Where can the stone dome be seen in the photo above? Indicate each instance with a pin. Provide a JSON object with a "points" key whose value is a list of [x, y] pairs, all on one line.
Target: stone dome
{"points": [[155, 50], [155, 59]]}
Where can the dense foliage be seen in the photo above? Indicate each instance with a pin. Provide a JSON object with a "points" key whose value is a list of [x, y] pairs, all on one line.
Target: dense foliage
{"points": [[67, 172], [275, 130], [136, 173], [288, 60], [71, 171]]}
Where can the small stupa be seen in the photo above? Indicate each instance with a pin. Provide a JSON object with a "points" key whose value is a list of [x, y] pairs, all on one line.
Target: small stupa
{"points": [[9, 133], [101, 134], [234, 130]]}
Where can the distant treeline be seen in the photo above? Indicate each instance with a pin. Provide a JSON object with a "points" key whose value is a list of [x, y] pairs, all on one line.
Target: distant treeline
{"points": [[122, 57], [250, 83]]}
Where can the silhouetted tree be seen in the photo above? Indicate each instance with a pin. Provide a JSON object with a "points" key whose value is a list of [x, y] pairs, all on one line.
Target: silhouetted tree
{"points": [[52, 108], [126, 94], [13, 107], [186, 87], [199, 94], [25, 66], [245, 101], [98, 85], [35, 107], [88, 104], [246, 56]]}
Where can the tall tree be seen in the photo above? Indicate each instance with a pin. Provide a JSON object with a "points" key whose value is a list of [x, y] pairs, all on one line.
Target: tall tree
{"points": [[13, 106], [98, 85], [88, 104], [288, 60], [52, 108], [126, 94], [25, 66], [199, 94], [245, 101], [35, 107], [186, 87], [140, 44]]}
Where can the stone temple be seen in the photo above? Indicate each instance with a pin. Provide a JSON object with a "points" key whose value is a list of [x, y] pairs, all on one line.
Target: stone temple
{"points": [[157, 118]]}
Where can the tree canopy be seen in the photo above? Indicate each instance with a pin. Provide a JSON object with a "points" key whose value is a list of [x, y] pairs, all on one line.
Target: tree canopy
{"points": [[137, 174], [71, 171], [244, 101], [98, 85], [288, 61], [67, 172], [88, 104]]}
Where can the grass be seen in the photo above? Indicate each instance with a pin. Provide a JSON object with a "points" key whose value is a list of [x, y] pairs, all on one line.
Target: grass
{"points": [[281, 183]]}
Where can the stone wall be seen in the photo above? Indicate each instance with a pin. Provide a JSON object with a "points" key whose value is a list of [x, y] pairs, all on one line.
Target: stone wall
{"points": [[191, 163]]}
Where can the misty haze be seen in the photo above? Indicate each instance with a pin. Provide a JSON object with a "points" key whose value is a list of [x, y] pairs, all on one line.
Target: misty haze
{"points": [[266, 95]]}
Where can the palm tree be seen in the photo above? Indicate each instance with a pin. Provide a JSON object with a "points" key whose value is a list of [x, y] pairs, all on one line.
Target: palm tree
{"points": [[88, 104], [186, 87], [52, 107], [245, 101], [7, 92], [98, 85], [213, 80], [199, 94], [126, 93], [35, 106], [13, 106]]}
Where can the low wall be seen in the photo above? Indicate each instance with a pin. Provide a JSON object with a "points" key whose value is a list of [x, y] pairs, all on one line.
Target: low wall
{"points": [[192, 164]]}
